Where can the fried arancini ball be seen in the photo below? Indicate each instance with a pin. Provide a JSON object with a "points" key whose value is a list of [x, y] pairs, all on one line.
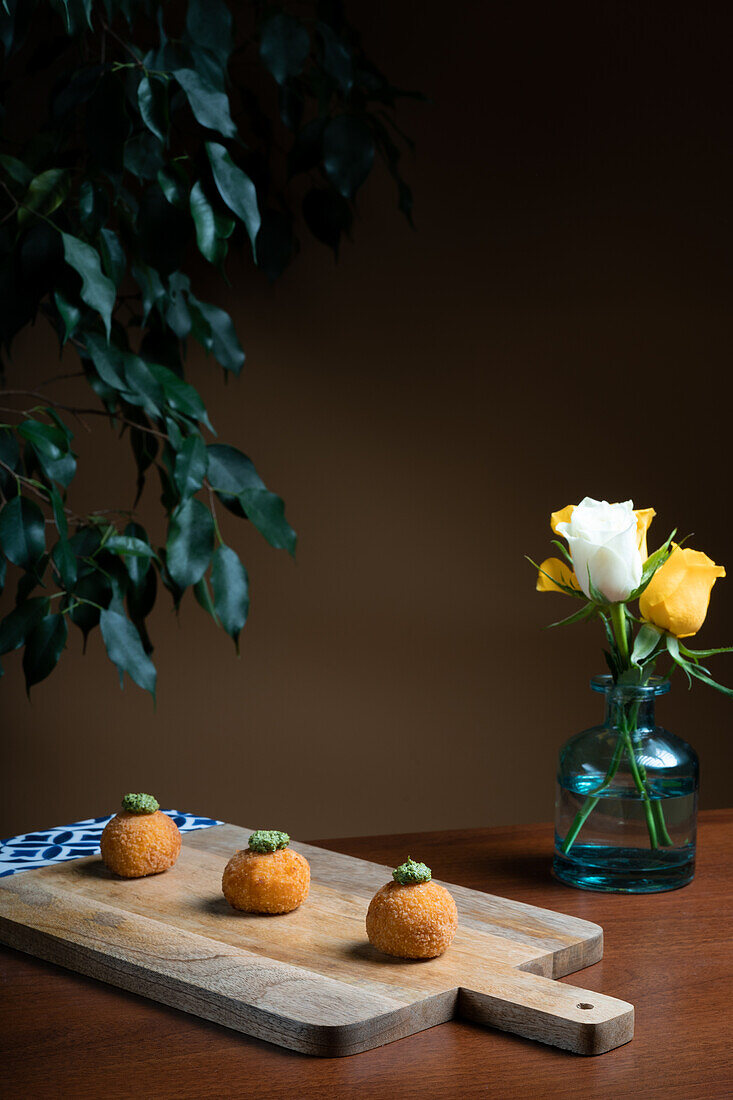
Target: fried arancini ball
{"points": [[412, 917], [267, 877], [141, 840]]}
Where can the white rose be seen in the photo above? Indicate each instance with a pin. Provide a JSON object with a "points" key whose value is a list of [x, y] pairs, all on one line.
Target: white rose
{"points": [[603, 544]]}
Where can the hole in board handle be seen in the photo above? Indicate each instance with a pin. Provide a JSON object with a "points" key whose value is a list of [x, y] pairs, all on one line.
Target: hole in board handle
{"points": [[584, 1004]]}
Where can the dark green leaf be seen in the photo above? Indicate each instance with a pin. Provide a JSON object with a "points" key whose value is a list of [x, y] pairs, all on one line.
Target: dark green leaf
{"points": [[21, 621], [235, 187], [284, 46], [348, 153], [209, 26], [151, 99], [128, 545], [190, 543], [192, 462], [173, 182], [209, 105], [203, 598], [95, 587], [113, 256], [43, 649], [22, 531], [181, 397], [61, 470], [203, 217], [70, 314], [267, 512], [221, 333], [143, 156], [45, 193], [230, 471], [47, 439], [16, 169], [336, 58], [143, 387], [108, 360], [151, 286], [62, 554], [97, 290], [125, 650], [231, 591]]}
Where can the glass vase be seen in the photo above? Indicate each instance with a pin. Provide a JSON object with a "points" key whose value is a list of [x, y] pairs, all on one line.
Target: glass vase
{"points": [[626, 804]]}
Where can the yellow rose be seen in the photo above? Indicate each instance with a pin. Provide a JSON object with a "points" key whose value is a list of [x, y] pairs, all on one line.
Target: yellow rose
{"points": [[677, 597], [559, 571]]}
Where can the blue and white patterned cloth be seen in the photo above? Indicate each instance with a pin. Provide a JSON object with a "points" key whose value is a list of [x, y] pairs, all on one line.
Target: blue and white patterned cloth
{"points": [[29, 850]]}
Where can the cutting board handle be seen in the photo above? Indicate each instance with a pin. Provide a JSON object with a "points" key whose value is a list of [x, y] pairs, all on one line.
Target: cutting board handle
{"points": [[550, 1011]]}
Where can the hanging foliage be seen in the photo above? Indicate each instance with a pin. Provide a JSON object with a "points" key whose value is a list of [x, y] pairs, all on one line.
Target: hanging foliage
{"points": [[164, 132]]}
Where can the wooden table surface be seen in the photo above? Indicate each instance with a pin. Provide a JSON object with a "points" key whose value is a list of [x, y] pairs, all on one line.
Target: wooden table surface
{"points": [[671, 955]]}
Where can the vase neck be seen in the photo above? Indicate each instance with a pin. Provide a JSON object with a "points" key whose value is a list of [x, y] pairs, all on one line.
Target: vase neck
{"points": [[629, 709]]}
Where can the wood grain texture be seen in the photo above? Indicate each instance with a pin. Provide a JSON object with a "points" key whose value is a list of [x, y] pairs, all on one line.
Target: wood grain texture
{"points": [[309, 980], [64, 1035]]}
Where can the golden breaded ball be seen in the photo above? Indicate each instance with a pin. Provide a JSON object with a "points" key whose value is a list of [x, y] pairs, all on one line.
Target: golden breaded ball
{"points": [[266, 882], [140, 844], [413, 920]]}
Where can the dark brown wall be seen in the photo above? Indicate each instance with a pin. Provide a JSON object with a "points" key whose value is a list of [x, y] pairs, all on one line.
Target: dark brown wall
{"points": [[558, 325]]}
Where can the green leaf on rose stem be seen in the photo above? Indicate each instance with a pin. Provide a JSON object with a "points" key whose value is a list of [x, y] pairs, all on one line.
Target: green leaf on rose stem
{"points": [[284, 46], [564, 551], [69, 313], [97, 290], [224, 344], [203, 598], [45, 194], [210, 106], [151, 100], [192, 462], [22, 620], [697, 653], [47, 439], [190, 543], [235, 188], [43, 649], [231, 591], [125, 650], [651, 565], [646, 642], [348, 153], [22, 531], [586, 612]]}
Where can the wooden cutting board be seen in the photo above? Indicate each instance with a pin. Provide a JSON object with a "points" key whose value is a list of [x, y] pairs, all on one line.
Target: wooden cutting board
{"points": [[310, 980]]}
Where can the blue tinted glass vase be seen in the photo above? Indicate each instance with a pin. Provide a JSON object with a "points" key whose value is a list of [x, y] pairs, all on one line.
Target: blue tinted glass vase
{"points": [[626, 804]]}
